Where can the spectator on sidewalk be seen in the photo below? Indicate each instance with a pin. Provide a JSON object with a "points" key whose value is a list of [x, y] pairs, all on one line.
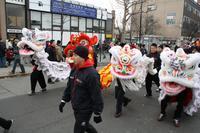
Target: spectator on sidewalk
{"points": [[6, 124], [59, 51], [17, 58], [2, 54], [9, 55]]}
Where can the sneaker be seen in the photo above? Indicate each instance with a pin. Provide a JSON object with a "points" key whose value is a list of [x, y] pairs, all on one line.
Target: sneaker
{"points": [[127, 102], [11, 123], [117, 115], [176, 123], [158, 90], [161, 117], [31, 93]]}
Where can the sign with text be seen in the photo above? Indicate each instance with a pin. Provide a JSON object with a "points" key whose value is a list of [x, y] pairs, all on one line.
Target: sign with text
{"points": [[73, 9], [20, 2], [41, 5]]}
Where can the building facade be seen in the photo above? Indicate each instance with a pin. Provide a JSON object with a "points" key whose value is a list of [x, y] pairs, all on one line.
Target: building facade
{"points": [[60, 18], [169, 19]]}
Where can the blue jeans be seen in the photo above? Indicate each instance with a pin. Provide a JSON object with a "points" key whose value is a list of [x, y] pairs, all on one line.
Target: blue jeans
{"points": [[18, 61], [3, 61]]}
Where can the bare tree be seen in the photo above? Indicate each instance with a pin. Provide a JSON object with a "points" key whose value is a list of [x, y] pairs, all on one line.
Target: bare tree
{"points": [[129, 8], [150, 25], [190, 29]]}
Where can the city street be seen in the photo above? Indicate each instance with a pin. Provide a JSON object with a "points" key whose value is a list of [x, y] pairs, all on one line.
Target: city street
{"points": [[39, 113]]}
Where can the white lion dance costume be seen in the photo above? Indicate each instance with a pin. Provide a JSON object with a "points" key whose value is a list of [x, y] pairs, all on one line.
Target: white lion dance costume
{"points": [[178, 72], [34, 43], [127, 64]]}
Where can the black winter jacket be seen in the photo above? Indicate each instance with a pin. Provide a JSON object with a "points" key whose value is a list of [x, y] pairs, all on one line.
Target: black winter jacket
{"points": [[157, 60], [84, 91]]}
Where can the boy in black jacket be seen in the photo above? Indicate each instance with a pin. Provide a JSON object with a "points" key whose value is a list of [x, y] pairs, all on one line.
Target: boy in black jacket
{"points": [[84, 91]]}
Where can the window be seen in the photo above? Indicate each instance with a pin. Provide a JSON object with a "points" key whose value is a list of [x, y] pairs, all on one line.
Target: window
{"points": [[66, 22], [15, 16], [82, 24], [46, 21], [89, 23], [56, 22], [74, 21], [171, 19], [96, 26], [35, 20], [103, 24], [74, 24]]}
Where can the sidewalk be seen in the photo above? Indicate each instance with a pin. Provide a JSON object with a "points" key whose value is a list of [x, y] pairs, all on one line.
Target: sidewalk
{"points": [[4, 72]]}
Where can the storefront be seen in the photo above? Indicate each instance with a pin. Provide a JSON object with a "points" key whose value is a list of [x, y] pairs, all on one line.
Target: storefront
{"points": [[59, 18], [15, 18]]}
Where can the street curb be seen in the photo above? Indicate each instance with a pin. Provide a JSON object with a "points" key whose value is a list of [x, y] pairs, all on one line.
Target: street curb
{"points": [[26, 74], [14, 75]]}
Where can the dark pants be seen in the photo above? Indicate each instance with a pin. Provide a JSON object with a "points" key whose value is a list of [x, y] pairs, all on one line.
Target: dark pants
{"points": [[37, 76], [148, 82], [82, 124], [2, 61], [119, 95], [179, 108], [18, 61], [5, 123]]}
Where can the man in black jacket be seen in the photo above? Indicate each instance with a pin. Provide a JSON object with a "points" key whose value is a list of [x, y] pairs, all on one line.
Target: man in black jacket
{"points": [[157, 64], [84, 91]]}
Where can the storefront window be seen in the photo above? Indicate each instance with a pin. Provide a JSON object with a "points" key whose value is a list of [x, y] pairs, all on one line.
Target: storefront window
{"points": [[46, 21], [82, 24], [35, 20], [74, 23], [56, 21], [15, 16], [96, 26], [89, 23], [66, 22]]}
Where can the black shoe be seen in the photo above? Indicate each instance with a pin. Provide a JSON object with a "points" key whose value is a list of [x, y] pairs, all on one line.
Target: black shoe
{"points": [[147, 95], [44, 90], [161, 117], [176, 123], [31, 93], [10, 124], [127, 102], [117, 115]]}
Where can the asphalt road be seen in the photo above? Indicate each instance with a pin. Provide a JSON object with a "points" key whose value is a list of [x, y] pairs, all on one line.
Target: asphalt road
{"points": [[39, 113]]}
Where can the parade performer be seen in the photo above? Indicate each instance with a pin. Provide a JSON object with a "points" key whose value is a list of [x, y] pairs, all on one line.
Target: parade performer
{"points": [[84, 91], [129, 68], [180, 82], [81, 39]]}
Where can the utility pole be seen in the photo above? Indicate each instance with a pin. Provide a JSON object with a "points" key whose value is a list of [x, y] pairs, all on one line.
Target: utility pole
{"points": [[140, 31], [100, 40]]}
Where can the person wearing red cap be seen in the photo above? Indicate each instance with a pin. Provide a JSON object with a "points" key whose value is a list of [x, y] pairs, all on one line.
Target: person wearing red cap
{"points": [[84, 91]]}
